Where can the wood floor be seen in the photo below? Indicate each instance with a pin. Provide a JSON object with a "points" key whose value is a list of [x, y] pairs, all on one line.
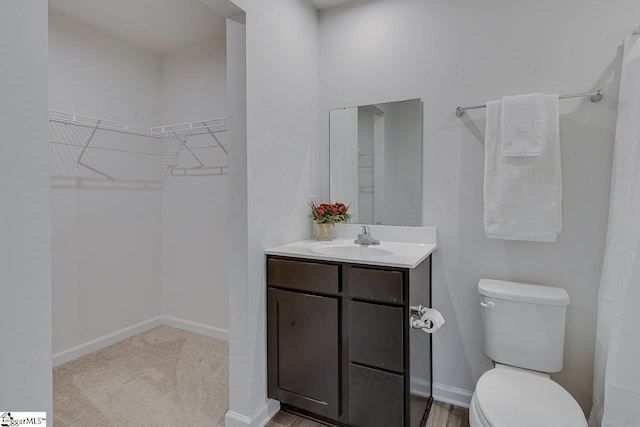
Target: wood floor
{"points": [[442, 415], [445, 415]]}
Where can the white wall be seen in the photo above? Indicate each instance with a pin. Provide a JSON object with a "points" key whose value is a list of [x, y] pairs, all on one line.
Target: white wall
{"points": [[459, 53], [194, 249], [238, 274], [95, 74], [194, 83], [106, 262], [281, 164], [106, 243], [194, 208], [25, 275]]}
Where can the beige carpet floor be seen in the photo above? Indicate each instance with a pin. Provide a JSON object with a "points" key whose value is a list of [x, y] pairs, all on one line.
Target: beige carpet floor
{"points": [[161, 377]]}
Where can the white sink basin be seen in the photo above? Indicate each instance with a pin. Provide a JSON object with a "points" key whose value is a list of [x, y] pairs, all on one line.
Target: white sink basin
{"points": [[349, 250]]}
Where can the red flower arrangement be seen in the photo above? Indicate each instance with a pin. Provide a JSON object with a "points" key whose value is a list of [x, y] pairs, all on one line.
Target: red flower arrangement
{"points": [[326, 213]]}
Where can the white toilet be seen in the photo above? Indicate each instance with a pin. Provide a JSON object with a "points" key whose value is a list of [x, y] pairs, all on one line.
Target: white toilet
{"points": [[524, 334]]}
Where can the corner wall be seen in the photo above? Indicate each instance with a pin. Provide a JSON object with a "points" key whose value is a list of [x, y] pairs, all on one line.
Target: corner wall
{"points": [[282, 135], [195, 231], [460, 53]]}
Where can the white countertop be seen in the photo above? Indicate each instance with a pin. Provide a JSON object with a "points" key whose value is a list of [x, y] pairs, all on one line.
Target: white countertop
{"points": [[388, 253]]}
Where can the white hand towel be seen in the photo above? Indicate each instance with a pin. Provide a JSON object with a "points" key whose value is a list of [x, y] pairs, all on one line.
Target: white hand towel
{"points": [[523, 125], [523, 194]]}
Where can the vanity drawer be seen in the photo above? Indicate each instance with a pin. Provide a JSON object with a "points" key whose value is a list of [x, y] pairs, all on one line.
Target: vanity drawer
{"points": [[303, 275], [376, 285], [376, 335], [376, 398]]}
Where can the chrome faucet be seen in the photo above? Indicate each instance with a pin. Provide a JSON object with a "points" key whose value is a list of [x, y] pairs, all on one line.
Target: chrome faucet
{"points": [[365, 237]]}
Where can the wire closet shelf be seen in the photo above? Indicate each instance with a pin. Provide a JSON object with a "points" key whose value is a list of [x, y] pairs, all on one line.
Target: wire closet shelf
{"points": [[91, 152]]}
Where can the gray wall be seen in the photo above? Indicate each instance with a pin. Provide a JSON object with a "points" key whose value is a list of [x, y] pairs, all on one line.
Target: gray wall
{"points": [[462, 52], [25, 269]]}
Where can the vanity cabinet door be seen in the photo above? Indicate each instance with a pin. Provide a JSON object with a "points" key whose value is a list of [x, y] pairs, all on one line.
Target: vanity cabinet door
{"points": [[303, 350], [376, 398]]}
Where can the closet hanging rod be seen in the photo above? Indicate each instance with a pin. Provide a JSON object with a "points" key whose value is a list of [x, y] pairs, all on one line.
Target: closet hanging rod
{"points": [[593, 97]]}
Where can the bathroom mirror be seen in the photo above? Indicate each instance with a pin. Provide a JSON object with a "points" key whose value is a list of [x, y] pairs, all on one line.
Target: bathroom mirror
{"points": [[375, 161]]}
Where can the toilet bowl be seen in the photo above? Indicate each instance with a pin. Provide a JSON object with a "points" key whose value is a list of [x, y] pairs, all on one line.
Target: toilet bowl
{"points": [[523, 326], [512, 397]]}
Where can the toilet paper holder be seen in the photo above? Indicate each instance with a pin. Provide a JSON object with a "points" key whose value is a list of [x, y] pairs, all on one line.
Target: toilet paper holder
{"points": [[425, 318], [419, 310], [420, 324]]}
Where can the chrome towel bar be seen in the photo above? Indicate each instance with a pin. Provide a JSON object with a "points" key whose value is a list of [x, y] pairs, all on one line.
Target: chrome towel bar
{"points": [[593, 97]]}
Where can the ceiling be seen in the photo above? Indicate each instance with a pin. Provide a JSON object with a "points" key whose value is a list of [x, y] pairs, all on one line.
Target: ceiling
{"points": [[160, 26], [325, 4]]}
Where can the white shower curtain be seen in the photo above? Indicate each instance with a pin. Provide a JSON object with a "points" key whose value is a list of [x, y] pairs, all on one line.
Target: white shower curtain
{"points": [[617, 364]]}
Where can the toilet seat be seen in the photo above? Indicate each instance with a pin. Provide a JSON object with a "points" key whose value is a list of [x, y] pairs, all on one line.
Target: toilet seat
{"points": [[507, 397]]}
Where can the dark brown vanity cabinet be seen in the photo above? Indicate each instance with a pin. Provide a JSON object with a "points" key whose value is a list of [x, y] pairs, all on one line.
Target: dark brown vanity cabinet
{"points": [[303, 344], [339, 341]]}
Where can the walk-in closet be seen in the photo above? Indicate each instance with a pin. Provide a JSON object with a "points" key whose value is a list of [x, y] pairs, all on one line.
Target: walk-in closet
{"points": [[138, 171]]}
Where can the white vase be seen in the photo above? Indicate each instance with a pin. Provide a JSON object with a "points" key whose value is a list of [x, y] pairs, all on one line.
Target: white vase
{"points": [[324, 231]]}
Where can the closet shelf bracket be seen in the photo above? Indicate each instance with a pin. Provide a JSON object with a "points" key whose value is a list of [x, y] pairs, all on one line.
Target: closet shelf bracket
{"points": [[215, 137], [86, 145], [183, 144]]}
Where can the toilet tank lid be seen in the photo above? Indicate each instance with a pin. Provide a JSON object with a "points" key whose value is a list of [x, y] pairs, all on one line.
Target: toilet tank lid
{"points": [[523, 292]]}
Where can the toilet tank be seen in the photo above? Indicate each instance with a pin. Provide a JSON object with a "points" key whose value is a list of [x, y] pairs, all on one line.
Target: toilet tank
{"points": [[523, 324]]}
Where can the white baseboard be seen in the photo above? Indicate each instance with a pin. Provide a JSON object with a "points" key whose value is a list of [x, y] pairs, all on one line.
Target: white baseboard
{"points": [[124, 333], [441, 392], [105, 340], [198, 328], [234, 419], [453, 395], [262, 417], [273, 406]]}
